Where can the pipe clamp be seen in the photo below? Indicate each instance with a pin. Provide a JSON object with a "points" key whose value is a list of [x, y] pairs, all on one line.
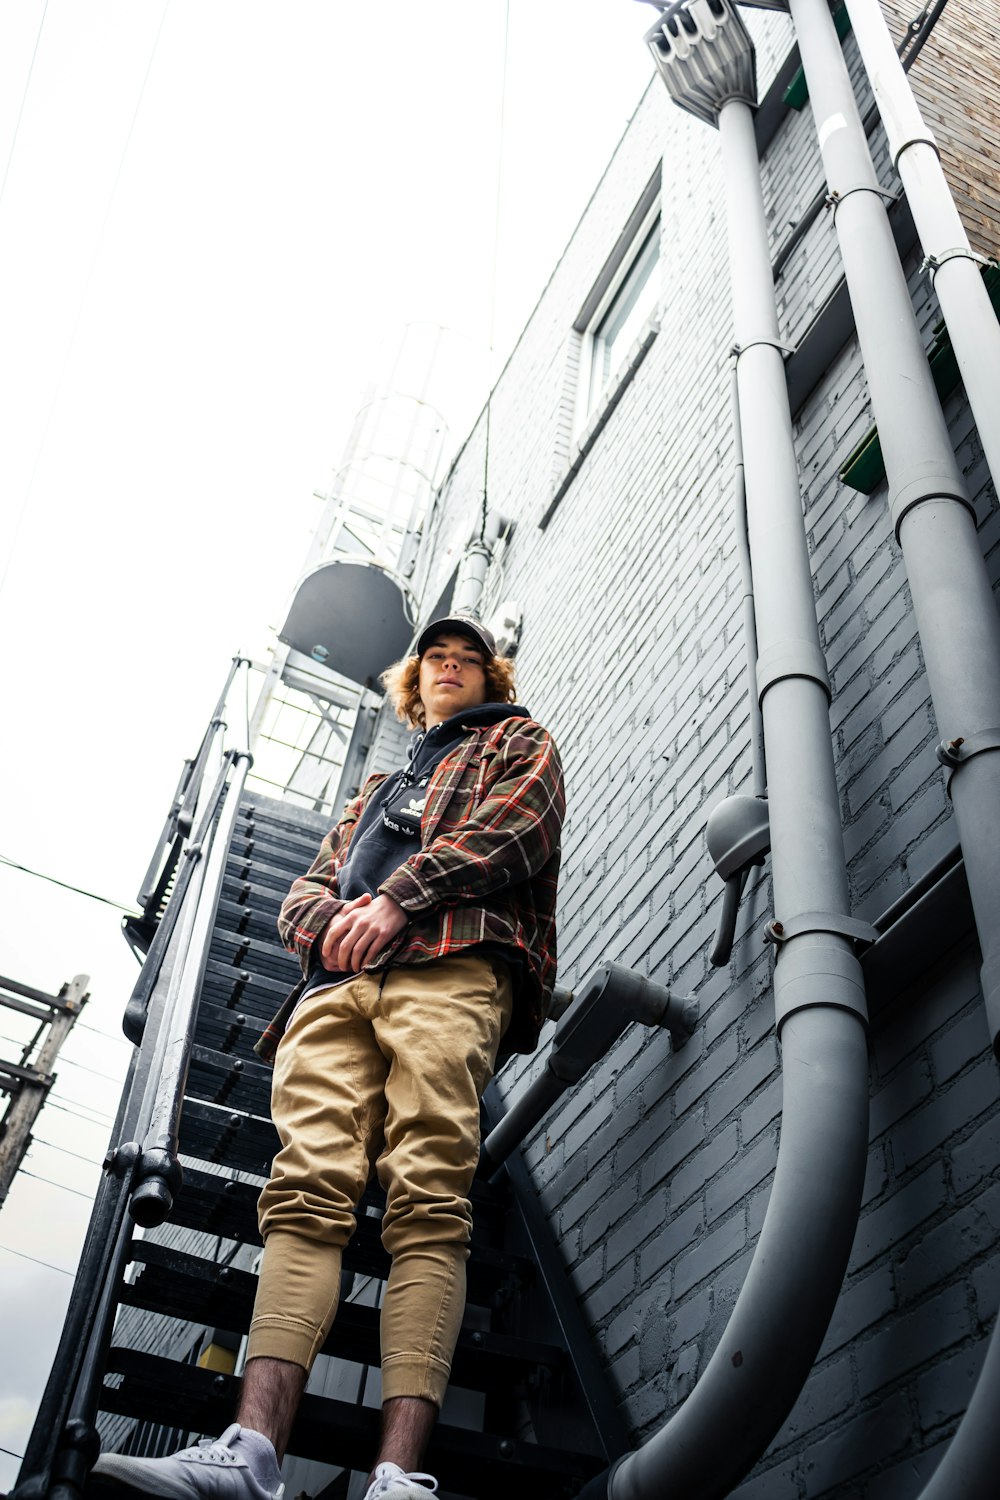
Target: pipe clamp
{"points": [[916, 140], [925, 479], [954, 753], [791, 658], [933, 263], [835, 198], [851, 928], [739, 349]]}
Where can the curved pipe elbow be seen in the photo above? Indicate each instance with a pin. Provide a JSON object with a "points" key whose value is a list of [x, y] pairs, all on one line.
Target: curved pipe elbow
{"points": [[758, 1369]]}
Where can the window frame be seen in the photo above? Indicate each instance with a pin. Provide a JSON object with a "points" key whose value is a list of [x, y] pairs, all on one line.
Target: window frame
{"points": [[610, 287]]}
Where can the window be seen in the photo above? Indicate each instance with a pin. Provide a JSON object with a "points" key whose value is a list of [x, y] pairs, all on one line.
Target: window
{"points": [[633, 302], [624, 297], [612, 334]]}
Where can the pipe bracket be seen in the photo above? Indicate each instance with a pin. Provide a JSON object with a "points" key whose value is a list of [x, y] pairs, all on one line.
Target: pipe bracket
{"points": [[791, 658], [738, 349], [933, 263], [924, 480], [916, 140], [954, 753], [852, 928], [835, 199]]}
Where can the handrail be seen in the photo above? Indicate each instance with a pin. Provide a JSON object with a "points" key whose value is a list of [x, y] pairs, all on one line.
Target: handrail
{"points": [[134, 1018], [158, 1170], [150, 885], [180, 818], [63, 1442]]}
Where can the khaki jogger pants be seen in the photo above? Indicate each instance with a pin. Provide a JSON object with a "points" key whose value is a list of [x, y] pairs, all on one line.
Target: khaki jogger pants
{"points": [[385, 1071]]}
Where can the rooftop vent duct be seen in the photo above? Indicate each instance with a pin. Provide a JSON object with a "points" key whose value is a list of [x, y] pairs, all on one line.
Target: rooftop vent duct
{"points": [[704, 54]]}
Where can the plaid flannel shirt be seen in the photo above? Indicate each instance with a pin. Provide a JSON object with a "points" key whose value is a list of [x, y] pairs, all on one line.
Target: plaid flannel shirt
{"points": [[486, 870]]}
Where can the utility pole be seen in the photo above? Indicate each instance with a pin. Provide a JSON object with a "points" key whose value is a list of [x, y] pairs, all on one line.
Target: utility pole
{"points": [[28, 1083]]}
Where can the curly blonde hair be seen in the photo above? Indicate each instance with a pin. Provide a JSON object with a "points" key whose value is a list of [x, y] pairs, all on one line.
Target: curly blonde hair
{"points": [[402, 685]]}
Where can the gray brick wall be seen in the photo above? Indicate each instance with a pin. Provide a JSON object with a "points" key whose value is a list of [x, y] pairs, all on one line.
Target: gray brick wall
{"points": [[655, 1173]]}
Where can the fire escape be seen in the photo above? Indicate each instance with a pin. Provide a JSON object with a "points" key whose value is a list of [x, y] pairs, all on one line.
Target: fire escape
{"points": [[150, 1353]]}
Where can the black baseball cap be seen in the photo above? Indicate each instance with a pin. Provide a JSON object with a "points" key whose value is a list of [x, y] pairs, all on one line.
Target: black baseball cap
{"points": [[461, 625]]}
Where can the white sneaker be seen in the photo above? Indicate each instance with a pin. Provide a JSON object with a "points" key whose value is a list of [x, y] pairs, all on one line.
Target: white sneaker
{"points": [[393, 1483], [210, 1471]]}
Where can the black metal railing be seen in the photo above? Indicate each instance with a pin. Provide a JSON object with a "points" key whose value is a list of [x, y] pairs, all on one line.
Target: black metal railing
{"points": [[141, 1169], [157, 890]]}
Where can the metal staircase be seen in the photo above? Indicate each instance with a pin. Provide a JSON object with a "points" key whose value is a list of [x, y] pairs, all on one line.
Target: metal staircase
{"points": [[539, 1398]]}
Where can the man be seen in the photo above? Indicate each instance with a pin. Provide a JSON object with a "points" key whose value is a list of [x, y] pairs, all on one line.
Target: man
{"points": [[426, 933]]}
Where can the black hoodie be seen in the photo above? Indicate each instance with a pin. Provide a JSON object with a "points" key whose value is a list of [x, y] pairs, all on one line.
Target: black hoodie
{"points": [[388, 830]]}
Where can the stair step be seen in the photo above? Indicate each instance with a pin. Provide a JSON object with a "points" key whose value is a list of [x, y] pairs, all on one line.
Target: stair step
{"points": [[488, 1466], [283, 810], [219, 1205], [245, 1143], [240, 920], [230, 1032], [185, 1286], [230, 983], [266, 958], [281, 826], [251, 893], [239, 1082], [258, 869], [246, 846]]}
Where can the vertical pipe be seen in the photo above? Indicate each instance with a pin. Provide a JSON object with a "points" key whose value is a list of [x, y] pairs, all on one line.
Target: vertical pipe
{"points": [[965, 302], [757, 1371], [740, 524], [475, 565], [952, 600]]}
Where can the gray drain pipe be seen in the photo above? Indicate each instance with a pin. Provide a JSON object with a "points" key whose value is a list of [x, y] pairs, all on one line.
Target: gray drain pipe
{"points": [[935, 525], [952, 599], [954, 265], [475, 565], [751, 1382]]}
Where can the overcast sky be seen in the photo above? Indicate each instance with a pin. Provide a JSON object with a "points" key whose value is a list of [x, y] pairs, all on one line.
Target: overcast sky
{"points": [[215, 217]]}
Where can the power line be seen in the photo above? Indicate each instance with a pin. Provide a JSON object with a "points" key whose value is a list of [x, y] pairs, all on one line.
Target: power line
{"points": [[24, 96], [110, 1036], [24, 1046], [10, 1450], [91, 1161], [48, 1266], [109, 1077], [51, 1103], [49, 1183], [77, 889]]}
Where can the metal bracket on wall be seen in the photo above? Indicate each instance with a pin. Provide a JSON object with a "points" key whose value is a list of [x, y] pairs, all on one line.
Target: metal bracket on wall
{"points": [[836, 198], [933, 263], [954, 753], [738, 349], [916, 140], [861, 933]]}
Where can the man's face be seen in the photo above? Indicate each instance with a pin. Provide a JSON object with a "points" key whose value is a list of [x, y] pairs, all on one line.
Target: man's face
{"points": [[451, 677]]}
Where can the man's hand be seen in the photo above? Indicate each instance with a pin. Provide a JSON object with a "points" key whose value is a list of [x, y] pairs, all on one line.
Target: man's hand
{"points": [[360, 930]]}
